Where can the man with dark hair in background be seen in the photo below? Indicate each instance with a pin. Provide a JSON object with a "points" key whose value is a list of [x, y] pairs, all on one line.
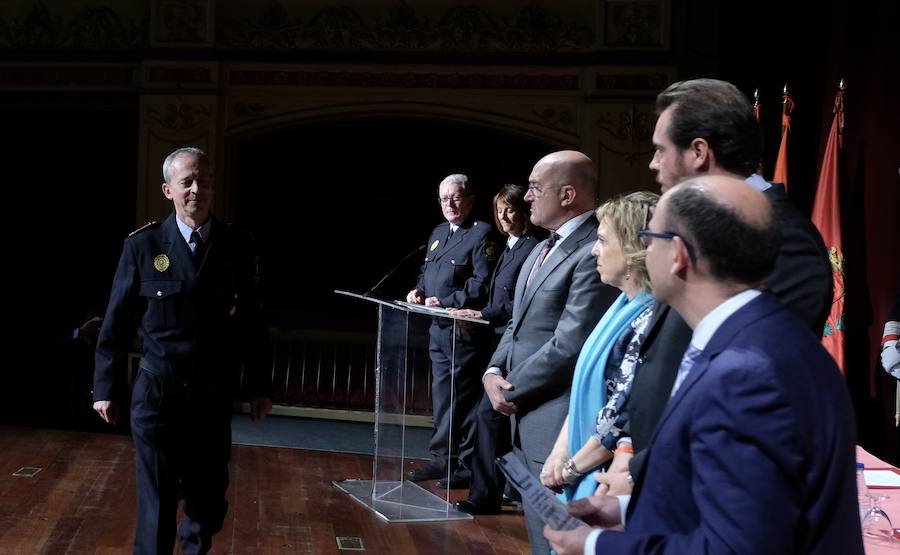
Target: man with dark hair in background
{"points": [[707, 127]]}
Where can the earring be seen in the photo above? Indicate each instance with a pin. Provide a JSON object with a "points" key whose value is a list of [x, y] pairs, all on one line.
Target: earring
{"points": [[627, 272]]}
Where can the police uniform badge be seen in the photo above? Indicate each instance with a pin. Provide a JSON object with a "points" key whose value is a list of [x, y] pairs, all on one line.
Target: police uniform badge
{"points": [[490, 251], [161, 263], [435, 244]]}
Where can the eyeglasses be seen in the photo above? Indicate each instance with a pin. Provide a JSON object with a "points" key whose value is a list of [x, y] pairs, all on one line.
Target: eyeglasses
{"points": [[646, 236], [455, 200], [537, 191]]}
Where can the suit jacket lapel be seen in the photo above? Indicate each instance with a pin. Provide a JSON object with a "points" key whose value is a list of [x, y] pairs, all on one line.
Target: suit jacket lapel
{"points": [[505, 257], [216, 232], [181, 260], [501, 262], [562, 252], [656, 321], [453, 240], [721, 339], [518, 303]]}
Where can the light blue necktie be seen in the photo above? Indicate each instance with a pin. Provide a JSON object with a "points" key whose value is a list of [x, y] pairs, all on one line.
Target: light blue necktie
{"points": [[687, 361]]}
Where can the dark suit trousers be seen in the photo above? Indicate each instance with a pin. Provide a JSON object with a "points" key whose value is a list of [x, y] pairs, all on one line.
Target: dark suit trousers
{"points": [[452, 438], [182, 440], [493, 438]]}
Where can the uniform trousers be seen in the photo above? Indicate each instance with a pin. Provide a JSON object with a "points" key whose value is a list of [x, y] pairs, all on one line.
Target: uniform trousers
{"points": [[452, 439], [182, 439]]}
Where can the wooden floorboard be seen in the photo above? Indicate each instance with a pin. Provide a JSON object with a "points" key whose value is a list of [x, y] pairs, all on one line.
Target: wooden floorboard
{"points": [[280, 501]]}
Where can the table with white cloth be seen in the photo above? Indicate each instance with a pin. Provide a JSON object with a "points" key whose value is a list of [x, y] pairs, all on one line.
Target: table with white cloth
{"points": [[890, 505]]}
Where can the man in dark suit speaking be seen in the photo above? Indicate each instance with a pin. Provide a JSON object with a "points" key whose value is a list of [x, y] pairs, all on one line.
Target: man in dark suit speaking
{"points": [[755, 450]]}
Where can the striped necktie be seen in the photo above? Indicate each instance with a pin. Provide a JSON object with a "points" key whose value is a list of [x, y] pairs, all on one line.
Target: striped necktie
{"points": [[687, 361], [548, 246]]}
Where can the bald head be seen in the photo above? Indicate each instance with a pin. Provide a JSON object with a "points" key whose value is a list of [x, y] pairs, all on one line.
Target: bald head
{"points": [[731, 225], [571, 167], [562, 185]]}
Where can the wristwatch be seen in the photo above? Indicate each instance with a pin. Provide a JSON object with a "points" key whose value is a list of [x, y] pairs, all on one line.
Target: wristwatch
{"points": [[569, 467]]}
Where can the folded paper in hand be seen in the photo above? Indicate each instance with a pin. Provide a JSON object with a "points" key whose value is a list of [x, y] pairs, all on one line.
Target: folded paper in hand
{"points": [[551, 510]]}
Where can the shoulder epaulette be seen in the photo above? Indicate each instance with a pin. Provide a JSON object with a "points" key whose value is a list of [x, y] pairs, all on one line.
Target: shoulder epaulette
{"points": [[146, 226]]}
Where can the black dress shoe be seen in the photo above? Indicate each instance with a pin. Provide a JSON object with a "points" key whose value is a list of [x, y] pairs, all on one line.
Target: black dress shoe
{"points": [[458, 480], [471, 508], [429, 472]]}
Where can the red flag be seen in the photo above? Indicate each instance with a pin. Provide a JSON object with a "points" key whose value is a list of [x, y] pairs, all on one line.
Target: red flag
{"points": [[826, 215], [781, 163]]}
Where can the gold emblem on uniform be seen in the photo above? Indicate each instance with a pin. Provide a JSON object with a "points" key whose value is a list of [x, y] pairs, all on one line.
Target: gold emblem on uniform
{"points": [[490, 250], [435, 244], [161, 263]]}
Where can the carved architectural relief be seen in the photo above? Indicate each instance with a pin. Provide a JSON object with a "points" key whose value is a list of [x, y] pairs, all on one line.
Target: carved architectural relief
{"points": [[403, 27], [178, 115], [636, 24], [209, 98], [93, 27], [168, 122], [182, 22]]}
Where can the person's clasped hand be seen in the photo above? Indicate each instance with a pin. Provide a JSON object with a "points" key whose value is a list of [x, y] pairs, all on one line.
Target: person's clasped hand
{"points": [[890, 358]]}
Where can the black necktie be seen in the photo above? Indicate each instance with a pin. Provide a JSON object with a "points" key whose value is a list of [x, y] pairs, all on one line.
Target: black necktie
{"points": [[198, 246]]}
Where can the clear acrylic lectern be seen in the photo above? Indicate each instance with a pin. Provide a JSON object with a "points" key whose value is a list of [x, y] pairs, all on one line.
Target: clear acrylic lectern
{"points": [[401, 327]]}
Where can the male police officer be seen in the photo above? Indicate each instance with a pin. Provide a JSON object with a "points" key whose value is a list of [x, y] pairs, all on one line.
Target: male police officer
{"points": [[456, 272], [190, 285]]}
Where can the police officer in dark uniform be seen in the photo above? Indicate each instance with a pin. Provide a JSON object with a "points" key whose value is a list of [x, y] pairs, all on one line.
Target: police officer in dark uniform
{"points": [[190, 287], [458, 264], [493, 436]]}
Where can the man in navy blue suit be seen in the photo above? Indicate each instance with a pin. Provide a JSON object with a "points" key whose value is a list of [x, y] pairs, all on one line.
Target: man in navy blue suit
{"points": [[754, 452]]}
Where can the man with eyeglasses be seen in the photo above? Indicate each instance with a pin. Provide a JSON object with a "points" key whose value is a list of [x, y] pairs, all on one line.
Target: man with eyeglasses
{"points": [[559, 298], [707, 127], [755, 452], [459, 259]]}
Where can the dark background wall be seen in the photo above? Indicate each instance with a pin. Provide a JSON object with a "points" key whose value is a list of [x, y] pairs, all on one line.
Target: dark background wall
{"points": [[359, 194]]}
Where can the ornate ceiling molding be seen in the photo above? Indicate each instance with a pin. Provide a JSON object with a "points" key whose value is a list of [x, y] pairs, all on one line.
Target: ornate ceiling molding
{"points": [[460, 29], [89, 28]]}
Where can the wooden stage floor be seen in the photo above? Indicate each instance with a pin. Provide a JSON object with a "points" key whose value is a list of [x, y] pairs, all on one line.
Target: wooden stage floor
{"points": [[281, 501]]}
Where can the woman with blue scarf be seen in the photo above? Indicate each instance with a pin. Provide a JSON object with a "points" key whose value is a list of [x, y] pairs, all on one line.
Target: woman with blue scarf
{"points": [[593, 431]]}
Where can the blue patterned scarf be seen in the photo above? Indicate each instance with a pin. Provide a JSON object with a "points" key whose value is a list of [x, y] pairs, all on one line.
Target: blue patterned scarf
{"points": [[589, 382]]}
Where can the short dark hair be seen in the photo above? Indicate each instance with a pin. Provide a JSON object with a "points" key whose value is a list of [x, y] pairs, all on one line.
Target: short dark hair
{"points": [[737, 251], [513, 195], [719, 113]]}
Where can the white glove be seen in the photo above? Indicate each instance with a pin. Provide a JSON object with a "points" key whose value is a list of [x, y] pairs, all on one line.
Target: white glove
{"points": [[890, 358]]}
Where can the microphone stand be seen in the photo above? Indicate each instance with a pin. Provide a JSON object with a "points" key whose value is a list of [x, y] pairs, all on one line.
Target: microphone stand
{"points": [[374, 288]]}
